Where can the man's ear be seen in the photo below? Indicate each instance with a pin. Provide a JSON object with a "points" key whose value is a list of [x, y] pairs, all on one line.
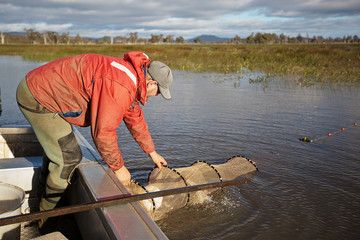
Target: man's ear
{"points": [[148, 78]]}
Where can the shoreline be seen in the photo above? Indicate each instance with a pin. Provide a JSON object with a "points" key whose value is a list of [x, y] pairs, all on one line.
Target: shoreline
{"points": [[312, 63]]}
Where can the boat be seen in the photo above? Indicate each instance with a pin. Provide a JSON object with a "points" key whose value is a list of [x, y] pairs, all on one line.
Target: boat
{"points": [[20, 164]]}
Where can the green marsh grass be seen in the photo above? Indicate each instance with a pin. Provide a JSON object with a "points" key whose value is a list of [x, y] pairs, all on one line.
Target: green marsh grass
{"points": [[307, 63]]}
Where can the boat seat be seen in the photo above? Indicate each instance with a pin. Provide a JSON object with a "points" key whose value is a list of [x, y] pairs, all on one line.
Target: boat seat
{"points": [[21, 171]]}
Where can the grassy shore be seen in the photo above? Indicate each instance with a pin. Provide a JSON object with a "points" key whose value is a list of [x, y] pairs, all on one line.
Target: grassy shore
{"points": [[305, 62]]}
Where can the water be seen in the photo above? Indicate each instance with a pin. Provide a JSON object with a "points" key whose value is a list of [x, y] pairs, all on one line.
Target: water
{"points": [[302, 191]]}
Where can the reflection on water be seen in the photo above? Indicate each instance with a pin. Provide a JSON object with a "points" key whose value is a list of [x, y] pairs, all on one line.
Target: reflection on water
{"points": [[302, 191]]}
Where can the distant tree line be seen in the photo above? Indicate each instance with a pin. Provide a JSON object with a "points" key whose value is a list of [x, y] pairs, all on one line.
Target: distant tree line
{"points": [[51, 37], [272, 38]]}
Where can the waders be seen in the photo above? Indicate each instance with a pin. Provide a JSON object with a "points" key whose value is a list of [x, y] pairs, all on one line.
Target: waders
{"points": [[61, 150]]}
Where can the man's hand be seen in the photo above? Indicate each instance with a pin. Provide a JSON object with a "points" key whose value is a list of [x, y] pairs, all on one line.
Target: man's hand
{"points": [[157, 159], [123, 175]]}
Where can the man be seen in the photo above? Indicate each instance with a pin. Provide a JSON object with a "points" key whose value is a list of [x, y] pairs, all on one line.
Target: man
{"points": [[90, 90]]}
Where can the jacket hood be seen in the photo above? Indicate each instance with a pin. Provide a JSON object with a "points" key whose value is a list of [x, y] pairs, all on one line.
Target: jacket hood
{"points": [[140, 62]]}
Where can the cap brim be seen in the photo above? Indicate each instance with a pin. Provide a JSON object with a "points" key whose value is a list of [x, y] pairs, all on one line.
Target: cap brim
{"points": [[165, 93]]}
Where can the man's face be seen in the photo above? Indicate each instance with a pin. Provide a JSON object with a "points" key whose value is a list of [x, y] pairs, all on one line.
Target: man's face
{"points": [[151, 87]]}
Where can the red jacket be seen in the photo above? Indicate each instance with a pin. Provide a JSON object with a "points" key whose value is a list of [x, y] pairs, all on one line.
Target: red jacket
{"points": [[97, 91]]}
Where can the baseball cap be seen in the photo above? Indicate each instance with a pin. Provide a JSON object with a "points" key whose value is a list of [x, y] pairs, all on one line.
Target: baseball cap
{"points": [[162, 74]]}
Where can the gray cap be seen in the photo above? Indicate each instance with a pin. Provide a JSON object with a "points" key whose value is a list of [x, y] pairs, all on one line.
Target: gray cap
{"points": [[162, 74]]}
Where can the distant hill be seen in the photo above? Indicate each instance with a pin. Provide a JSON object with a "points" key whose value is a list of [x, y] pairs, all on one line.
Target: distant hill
{"points": [[209, 38]]}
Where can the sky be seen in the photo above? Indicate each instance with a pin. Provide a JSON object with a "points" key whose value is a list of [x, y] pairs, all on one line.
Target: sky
{"points": [[185, 18]]}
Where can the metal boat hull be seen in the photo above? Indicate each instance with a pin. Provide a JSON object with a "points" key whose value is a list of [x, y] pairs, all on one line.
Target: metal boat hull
{"points": [[20, 163]]}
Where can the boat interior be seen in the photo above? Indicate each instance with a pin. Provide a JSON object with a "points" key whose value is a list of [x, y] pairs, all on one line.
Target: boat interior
{"points": [[20, 164]]}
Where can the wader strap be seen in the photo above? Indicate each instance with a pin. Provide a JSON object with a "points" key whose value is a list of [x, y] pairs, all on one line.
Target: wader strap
{"points": [[39, 109]]}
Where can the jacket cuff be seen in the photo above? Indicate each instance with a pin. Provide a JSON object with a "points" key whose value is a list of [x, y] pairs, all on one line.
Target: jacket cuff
{"points": [[149, 149], [115, 165]]}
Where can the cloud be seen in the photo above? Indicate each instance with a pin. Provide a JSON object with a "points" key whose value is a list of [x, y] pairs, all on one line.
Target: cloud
{"points": [[187, 18], [309, 8]]}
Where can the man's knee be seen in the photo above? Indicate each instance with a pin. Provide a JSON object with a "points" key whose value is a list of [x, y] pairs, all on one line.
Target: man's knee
{"points": [[71, 154]]}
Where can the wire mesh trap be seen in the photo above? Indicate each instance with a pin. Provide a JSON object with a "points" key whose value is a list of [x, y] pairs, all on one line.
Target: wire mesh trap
{"points": [[198, 173]]}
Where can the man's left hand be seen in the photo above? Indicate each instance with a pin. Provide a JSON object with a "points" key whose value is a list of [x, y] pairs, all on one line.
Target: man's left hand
{"points": [[157, 159]]}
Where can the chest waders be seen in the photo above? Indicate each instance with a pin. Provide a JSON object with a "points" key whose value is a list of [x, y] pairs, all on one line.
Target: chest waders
{"points": [[61, 150]]}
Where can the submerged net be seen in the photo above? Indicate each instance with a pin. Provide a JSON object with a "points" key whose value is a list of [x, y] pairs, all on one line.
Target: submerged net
{"points": [[198, 173]]}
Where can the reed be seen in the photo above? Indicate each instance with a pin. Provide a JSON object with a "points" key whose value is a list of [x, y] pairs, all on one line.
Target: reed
{"points": [[306, 62]]}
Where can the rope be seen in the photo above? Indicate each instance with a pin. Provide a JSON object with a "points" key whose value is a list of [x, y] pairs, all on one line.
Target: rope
{"points": [[81, 164], [309, 140]]}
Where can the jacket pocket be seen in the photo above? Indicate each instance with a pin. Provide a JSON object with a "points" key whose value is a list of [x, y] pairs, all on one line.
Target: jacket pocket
{"points": [[72, 114]]}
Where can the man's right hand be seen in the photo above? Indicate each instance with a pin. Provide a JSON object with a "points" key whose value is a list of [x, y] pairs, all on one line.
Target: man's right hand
{"points": [[123, 175]]}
